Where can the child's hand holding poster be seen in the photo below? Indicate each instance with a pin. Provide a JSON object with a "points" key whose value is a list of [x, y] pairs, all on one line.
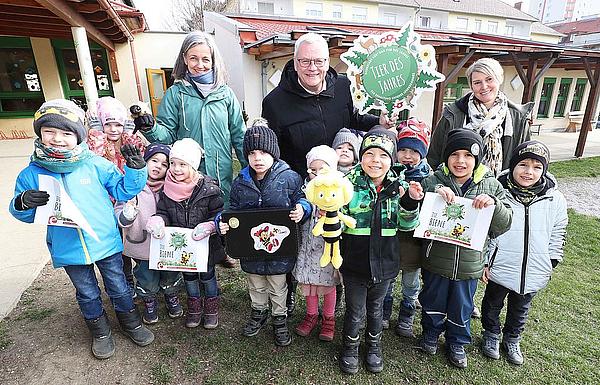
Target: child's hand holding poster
{"points": [[457, 223], [177, 251]]}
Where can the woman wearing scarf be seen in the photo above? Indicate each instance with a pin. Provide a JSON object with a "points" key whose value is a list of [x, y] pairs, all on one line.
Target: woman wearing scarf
{"points": [[200, 105], [502, 124]]}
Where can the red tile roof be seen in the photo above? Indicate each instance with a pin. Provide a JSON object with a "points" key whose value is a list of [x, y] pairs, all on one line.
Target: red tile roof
{"points": [[579, 27]]}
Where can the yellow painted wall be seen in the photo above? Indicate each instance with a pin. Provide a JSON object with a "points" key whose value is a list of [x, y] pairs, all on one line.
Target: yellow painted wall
{"points": [[545, 38], [372, 9]]}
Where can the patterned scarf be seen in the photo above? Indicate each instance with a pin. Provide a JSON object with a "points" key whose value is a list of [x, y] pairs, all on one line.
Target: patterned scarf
{"points": [[488, 124], [417, 172], [526, 195], [180, 191], [58, 160]]}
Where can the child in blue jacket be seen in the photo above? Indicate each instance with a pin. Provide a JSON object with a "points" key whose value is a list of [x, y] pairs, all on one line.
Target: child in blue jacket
{"points": [[61, 152], [267, 182]]}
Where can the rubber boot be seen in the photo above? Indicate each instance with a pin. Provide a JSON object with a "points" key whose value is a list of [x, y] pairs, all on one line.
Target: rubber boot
{"points": [[103, 344], [195, 307], [349, 356], [132, 326], [374, 358], [283, 337], [211, 313]]}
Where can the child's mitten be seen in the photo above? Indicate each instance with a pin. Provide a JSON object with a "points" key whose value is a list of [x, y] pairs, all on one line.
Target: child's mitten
{"points": [[156, 227], [203, 230]]}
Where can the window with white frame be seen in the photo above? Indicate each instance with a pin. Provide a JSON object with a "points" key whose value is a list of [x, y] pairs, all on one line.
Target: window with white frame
{"points": [[266, 8], [337, 11], [510, 30], [477, 25], [359, 14], [389, 19], [462, 23], [492, 27], [314, 9], [424, 21]]}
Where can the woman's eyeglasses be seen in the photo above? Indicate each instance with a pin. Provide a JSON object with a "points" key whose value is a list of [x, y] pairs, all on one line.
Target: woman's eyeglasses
{"points": [[305, 63]]}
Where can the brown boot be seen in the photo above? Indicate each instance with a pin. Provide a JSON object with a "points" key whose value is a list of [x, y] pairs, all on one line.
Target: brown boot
{"points": [[228, 262], [211, 313], [327, 329]]}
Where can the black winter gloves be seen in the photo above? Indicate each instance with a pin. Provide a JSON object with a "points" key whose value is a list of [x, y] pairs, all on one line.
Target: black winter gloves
{"points": [[143, 123], [133, 156], [30, 199]]}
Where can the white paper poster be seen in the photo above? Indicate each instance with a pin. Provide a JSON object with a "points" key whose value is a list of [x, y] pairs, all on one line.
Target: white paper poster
{"points": [[458, 223], [177, 251], [60, 209]]}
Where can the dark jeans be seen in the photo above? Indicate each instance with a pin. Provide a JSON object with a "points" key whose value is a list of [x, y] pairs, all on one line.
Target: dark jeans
{"points": [[516, 310], [88, 292], [363, 295], [207, 284], [128, 269], [151, 282], [447, 306]]}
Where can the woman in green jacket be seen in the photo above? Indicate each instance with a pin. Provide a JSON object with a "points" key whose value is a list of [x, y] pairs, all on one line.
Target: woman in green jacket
{"points": [[200, 105]]}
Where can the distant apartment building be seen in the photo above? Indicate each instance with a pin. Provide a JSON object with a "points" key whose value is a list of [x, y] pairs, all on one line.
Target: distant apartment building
{"points": [[558, 11]]}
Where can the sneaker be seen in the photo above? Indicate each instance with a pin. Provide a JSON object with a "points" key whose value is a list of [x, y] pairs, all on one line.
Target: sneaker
{"points": [[150, 315], [428, 345], [257, 320], [457, 355], [490, 346], [385, 324], [513, 351], [173, 306], [307, 325], [476, 313]]}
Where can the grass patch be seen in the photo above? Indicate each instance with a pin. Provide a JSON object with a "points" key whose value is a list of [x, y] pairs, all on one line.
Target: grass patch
{"points": [[35, 314], [162, 373], [168, 352], [585, 167], [5, 340]]}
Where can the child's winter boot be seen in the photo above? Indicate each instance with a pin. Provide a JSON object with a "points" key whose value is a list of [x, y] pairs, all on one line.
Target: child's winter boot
{"points": [[374, 358], [132, 326], [103, 344], [195, 307], [406, 316], [327, 329], [490, 346], [457, 355], [307, 325], [211, 313], [280, 328], [349, 356], [257, 320], [150, 315], [173, 305]]}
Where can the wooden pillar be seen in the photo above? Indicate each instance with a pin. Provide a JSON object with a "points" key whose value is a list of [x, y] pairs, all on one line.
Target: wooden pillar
{"points": [[528, 91], [590, 107], [438, 101]]}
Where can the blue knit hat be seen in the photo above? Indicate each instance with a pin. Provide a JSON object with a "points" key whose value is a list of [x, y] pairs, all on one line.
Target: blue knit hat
{"points": [[156, 148]]}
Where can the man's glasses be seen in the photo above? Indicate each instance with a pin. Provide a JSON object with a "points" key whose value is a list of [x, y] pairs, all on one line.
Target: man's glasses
{"points": [[305, 63]]}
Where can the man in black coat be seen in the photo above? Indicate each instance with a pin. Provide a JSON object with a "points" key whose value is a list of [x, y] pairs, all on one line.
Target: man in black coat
{"points": [[311, 103]]}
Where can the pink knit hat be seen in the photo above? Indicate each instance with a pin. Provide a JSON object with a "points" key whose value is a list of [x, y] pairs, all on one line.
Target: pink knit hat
{"points": [[111, 110]]}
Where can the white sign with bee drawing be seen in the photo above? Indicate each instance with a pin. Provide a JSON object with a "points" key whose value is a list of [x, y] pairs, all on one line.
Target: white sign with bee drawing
{"points": [[458, 223], [177, 251]]}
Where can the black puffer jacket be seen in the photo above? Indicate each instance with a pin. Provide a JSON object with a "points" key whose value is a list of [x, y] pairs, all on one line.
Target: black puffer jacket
{"points": [[203, 205], [303, 120], [281, 188]]}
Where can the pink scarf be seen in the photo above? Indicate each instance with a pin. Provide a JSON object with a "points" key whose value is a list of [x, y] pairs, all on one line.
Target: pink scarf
{"points": [[180, 191]]}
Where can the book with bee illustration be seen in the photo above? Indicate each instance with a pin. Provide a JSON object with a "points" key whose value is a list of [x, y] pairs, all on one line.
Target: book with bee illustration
{"points": [[177, 251], [457, 223], [260, 233]]}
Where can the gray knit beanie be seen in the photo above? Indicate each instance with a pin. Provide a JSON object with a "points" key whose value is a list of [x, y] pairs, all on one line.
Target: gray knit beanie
{"points": [[62, 114], [344, 135], [261, 137]]}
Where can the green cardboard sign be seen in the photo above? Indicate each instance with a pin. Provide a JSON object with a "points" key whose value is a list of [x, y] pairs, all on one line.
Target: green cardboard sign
{"points": [[389, 72]]}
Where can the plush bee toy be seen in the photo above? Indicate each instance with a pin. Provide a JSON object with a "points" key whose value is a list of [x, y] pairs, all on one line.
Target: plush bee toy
{"points": [[329, 191]]}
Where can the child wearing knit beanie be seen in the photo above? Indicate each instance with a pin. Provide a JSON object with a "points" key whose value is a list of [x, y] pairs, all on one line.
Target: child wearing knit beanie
{"points": [[314, 280], [267, 182], [109, 136], [412, 144], [520, 266], [191, 200], [450, 272], [383, 204], [346, 144], [62, 156]]}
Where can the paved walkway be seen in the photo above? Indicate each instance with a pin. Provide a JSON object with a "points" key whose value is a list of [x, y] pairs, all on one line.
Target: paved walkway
{"points": [[25, 251]]}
